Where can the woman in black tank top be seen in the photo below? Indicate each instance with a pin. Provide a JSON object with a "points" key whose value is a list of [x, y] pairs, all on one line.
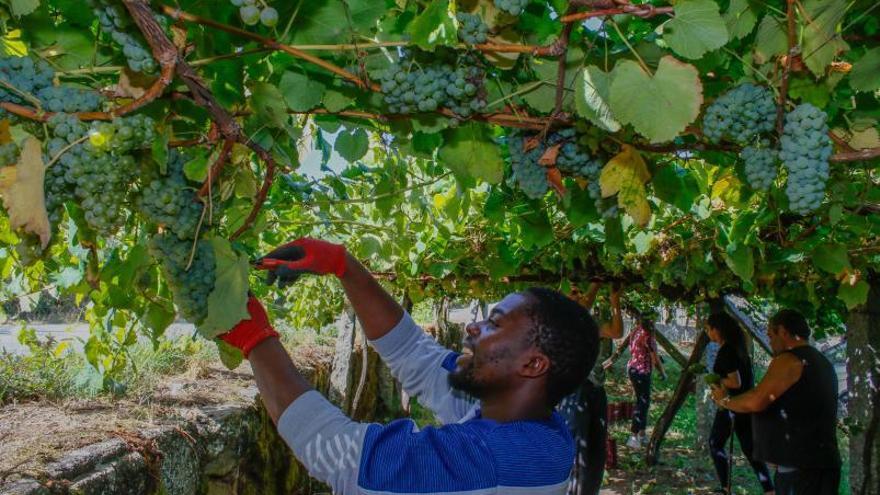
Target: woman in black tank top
{"points": [[734, 366]]}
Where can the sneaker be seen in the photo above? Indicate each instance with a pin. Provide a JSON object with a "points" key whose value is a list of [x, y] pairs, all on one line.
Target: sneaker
{"points": [[634, 442]]}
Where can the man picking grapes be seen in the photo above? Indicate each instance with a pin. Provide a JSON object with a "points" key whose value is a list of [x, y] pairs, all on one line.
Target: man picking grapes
{"points": [[496, 401]]}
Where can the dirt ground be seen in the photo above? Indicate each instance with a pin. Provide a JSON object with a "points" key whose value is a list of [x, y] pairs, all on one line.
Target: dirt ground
{"points": [[33, 434]]}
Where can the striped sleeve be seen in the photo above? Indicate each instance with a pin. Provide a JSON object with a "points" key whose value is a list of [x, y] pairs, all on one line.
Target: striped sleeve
{"points": [[422, 367]]}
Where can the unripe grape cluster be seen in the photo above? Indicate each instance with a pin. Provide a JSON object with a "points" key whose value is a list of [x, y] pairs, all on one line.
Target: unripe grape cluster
{"points": [[740, 114], [409, 87], [95, 166], [115, 21], [805, 150], [169, 200], [512, 7], [252, 14], [471, 28], [190, 287], [8, 154], [530, 176], [35, 79], [760, 165]]}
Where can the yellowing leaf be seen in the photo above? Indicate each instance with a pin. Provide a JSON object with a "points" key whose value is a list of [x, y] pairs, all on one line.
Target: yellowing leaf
{"points": [[5, 135], [132, 84], [626, 166], [728, 189], [859, 138], [22, 192], [625, 175]]}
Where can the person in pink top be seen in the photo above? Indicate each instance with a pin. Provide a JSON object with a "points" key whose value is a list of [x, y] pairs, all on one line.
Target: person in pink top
{"points": [[643, 359]]}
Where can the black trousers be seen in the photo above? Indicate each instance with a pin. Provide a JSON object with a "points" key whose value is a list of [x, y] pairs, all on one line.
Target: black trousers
{"points": [[808, 482], [725, 421], [586, 412], [641, 384]]}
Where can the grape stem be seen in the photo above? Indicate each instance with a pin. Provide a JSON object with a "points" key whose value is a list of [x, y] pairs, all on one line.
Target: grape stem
{"points": [[786, 69], [24, 94], [65, 150]]}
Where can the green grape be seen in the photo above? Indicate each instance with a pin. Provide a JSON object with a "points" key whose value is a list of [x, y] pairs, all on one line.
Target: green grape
{"points": [[805, 148], [191, 282], [269, 17], [471, 28], [169, 200], [115, 22], [740, 114], [249, 14]]}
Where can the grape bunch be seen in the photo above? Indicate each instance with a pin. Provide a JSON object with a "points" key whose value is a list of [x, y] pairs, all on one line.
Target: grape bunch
{"points": [[69, 99], [512, 7], [409, 87], [8, 154], [805, 150], [190, 287], [740, 114], [95, 166], [170, 201], [35, 79], [115, 21], [25, 75], [471, 28], [760, 165], [530, 176], [251, 14]]}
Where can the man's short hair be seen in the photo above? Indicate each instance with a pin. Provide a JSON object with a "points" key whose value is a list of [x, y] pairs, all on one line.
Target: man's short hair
{"points": [[793, 321], [567, 334]]}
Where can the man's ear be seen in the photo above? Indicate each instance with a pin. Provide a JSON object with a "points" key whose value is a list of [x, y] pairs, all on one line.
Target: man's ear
{"points": [[536, 364]]}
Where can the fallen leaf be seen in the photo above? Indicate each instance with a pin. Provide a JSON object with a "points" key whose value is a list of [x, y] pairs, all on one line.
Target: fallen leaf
{"points": [[22, 192]]}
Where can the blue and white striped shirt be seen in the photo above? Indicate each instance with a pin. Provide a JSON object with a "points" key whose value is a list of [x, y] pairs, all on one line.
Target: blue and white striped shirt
{"points": [[468, 455]]}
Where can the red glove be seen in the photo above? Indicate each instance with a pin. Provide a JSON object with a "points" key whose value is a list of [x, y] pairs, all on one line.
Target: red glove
{"points": [[305, 255], [248, 333]]}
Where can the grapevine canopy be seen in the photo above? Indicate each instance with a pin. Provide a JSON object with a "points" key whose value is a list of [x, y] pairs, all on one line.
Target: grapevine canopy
{"points": [[685, 149]]}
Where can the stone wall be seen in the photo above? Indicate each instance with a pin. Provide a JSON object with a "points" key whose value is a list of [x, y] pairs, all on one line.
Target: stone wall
{"points": [[212, 450]]}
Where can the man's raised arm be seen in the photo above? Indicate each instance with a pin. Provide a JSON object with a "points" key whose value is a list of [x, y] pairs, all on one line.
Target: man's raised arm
{"points": [[414, 358]]}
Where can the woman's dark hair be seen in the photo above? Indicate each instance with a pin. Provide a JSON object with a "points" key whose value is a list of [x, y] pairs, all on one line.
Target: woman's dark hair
{"points": [[793, 321], [731, 333]]}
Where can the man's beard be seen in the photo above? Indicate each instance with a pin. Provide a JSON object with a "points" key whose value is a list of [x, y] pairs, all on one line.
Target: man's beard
{"points": [[463, 379]]}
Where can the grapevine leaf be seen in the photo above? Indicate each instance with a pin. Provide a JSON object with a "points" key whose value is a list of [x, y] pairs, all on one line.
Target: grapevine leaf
{"points": [[300, 92], [535, 229], [741, 260], [740, 18], [227, 303], [831, 258], [469, 151], [696, 29], [854, 295], [614, 242], [264, 100], [335, 101], [821, 40], [592, 91], [626, 167], [436, 25], [677, 186], [865, 75], [352, 145], [771, 39], [625, 175], [580, 207], [23, 7], [320, 23], [658, 107], [159, 151], [365, 13], [157, 318], [230, 356], [21, 188]]}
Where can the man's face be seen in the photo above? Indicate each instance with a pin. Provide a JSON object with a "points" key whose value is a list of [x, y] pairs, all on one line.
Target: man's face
{"points": [[496, 350], [777, 339]]}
